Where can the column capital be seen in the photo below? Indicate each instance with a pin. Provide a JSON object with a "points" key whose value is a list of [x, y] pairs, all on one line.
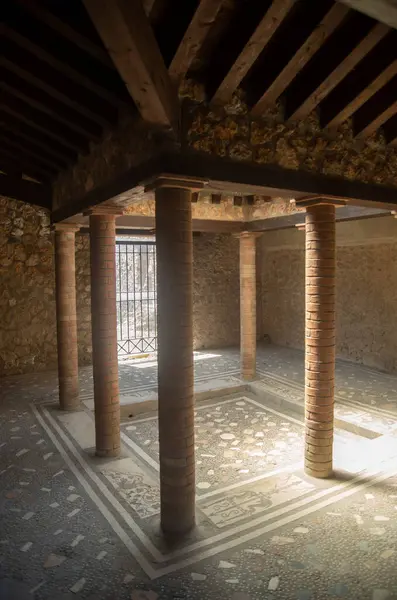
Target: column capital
{"points": [[309, 201], [248, 234], [67, 227], [173, 181], [104, 209], [394, 213]]}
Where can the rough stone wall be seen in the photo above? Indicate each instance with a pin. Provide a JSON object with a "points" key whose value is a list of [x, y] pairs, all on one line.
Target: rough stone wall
{"points": [[27, 292], [83, 298], [130, 144], [27, 299], [216, 291], [366, 300], [302, 145]]}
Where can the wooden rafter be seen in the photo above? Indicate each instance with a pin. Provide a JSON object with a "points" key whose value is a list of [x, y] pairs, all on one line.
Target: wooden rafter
{"points": [[62, 67], [10, 167], [12, 125], [27, 191], [377, 111], [346, 66], [261, 36], [20, 159], [31, 150], [41, 14], [194, 37], [327, 26], [359, 99], [29, 105], [129, 39], [52, 90]]}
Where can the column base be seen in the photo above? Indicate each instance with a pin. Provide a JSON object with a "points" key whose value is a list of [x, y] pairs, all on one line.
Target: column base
{"points": [[319, 473], [175, 526], [107, 453]]}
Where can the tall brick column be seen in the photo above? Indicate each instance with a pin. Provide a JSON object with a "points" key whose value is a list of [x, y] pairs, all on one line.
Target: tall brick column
{"points": [[65, 279], [104, 330], [174, 243], [248, 304], [320, 339]]}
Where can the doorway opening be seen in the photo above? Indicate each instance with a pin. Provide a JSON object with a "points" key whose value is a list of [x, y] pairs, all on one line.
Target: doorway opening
{"points": [[136, 297]]}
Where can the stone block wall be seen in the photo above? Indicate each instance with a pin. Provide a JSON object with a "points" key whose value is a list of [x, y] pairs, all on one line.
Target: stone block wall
{"points": [[27, 291], [366, 294], [216, 291]]}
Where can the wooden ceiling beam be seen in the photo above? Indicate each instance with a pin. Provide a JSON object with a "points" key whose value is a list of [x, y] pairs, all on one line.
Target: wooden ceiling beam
{"points": [[24, 162], [258, 40], [9, 167], [73, 36], [375, 35], [200, 25], [26, 191], [361, 98], [321, 33], [27, 102], [62, 67], [377, 111], [31, 150], [126, 33], [13, 126], [53, 91]]}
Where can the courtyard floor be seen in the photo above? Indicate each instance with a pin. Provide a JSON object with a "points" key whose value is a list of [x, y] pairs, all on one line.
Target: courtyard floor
{"points": [[75, 526]]}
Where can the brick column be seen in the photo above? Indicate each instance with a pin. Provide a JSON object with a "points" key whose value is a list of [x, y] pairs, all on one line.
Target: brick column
{"points": [[248, 304], [104, 330], [320, 339], [65, 278], [174, 243]]}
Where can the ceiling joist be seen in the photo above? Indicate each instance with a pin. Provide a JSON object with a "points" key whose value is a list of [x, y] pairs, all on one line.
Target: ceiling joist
{"points": [[194, 37], [258, 40], [63, 29], [129, 39], [307, 50], [375, 35]]}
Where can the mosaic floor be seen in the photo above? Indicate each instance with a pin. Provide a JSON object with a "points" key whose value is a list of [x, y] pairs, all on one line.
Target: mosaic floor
{"points": [[75, 526]]}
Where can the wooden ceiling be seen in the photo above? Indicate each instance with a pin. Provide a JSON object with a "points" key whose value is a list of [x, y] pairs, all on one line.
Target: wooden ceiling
{"points": [[60, 87]]}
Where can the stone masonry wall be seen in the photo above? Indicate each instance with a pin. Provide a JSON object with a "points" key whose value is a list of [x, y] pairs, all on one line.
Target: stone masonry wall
{"points": [[27, 294], [366, 298], [231, 132], [216, 291]]}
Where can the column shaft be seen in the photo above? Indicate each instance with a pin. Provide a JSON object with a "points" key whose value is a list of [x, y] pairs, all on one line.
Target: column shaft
{"points": [[320, 339], [248, 305], [175, 358], [104, 334], [65, 277]]}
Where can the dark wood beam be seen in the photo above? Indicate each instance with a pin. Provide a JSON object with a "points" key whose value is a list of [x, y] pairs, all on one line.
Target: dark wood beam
{"points": [[129, 39], [327, 26], [194, 37], [62, 67], [31, 150], [390, 131], [20, 156], [52, 90], [73, 36], [258, 40], [10, 167], [377, 111], [26, 191], [359, 100], [226, 175], [33, 105], [14, 127], [216, 198], [375, 35]]}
